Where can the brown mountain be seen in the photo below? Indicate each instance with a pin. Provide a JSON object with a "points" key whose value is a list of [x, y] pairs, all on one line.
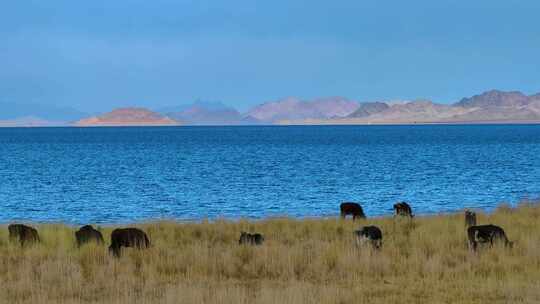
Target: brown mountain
{"points": [[499, 106], [295, 109], [419, 111], [128, 117], [495, 98]]}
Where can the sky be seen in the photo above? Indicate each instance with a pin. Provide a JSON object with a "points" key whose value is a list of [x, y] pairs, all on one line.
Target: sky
{"points": [[97, 55]]}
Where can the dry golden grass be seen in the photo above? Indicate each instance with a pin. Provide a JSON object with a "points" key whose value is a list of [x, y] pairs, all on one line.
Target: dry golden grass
{"points": [[302, 261]]}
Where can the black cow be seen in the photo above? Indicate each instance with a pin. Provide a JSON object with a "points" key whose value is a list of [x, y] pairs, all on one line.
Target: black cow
{"points": [[24, 234], [88, 234], [250, 239], [371, 234], [470, 218], [128, 237], [403, 209], [353, 209], [486, 234]]}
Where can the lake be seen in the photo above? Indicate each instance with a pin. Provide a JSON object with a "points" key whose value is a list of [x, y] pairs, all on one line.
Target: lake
{"points": [[120, 175]]}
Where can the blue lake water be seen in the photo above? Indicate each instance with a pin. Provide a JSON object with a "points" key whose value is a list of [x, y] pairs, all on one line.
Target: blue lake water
{"points": [[114, 175]]}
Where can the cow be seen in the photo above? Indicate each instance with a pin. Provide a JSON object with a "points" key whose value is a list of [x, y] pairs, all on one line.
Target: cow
{"points": [[87, 234], [24, 234], [250, 239], [128, 237], [403, 209], [353, 209], [470, 218], [486, 234], [369, 234]]}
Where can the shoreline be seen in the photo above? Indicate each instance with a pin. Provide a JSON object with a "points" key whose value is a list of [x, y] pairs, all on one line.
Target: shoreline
{"points": [[236, 220], [332, 123]]}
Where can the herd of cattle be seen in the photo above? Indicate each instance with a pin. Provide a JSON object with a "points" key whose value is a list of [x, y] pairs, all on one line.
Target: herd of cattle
{"points": [[372, 235], [476, 234], [127, 237]]}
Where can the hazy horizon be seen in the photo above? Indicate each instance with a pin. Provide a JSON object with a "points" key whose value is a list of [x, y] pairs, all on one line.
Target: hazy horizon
{"points": [[97, 56]]}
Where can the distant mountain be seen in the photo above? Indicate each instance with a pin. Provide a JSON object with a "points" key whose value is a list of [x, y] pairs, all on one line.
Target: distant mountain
{"points": [[500, 106], [422, 111], [209, 114], [12, 110], [128, 117], [294, 109], [494, 98], [410, 112], [366, 109]]}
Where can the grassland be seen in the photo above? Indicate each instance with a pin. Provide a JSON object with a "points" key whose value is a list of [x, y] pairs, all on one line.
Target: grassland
{"points": [[302, 261]]}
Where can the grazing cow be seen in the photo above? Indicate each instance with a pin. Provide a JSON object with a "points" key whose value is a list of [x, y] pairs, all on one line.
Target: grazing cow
{"points": [[371, 234], [250, 239], [403, 209], [353, 209], [470, 218], [87, 234], [128, 237], [23, 233], [486, 234]]}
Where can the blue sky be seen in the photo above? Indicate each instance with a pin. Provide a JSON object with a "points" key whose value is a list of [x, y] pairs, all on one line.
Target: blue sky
{"points": [[96, 55]]}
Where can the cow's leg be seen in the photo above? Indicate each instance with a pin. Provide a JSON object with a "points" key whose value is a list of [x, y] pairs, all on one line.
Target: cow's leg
{"points": [[115, 250], [472, 245], [359, 241], [140, 243], [365, 240]]}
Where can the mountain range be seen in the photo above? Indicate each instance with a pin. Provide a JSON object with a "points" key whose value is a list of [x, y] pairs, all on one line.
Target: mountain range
{"points": [[489, 107]]}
